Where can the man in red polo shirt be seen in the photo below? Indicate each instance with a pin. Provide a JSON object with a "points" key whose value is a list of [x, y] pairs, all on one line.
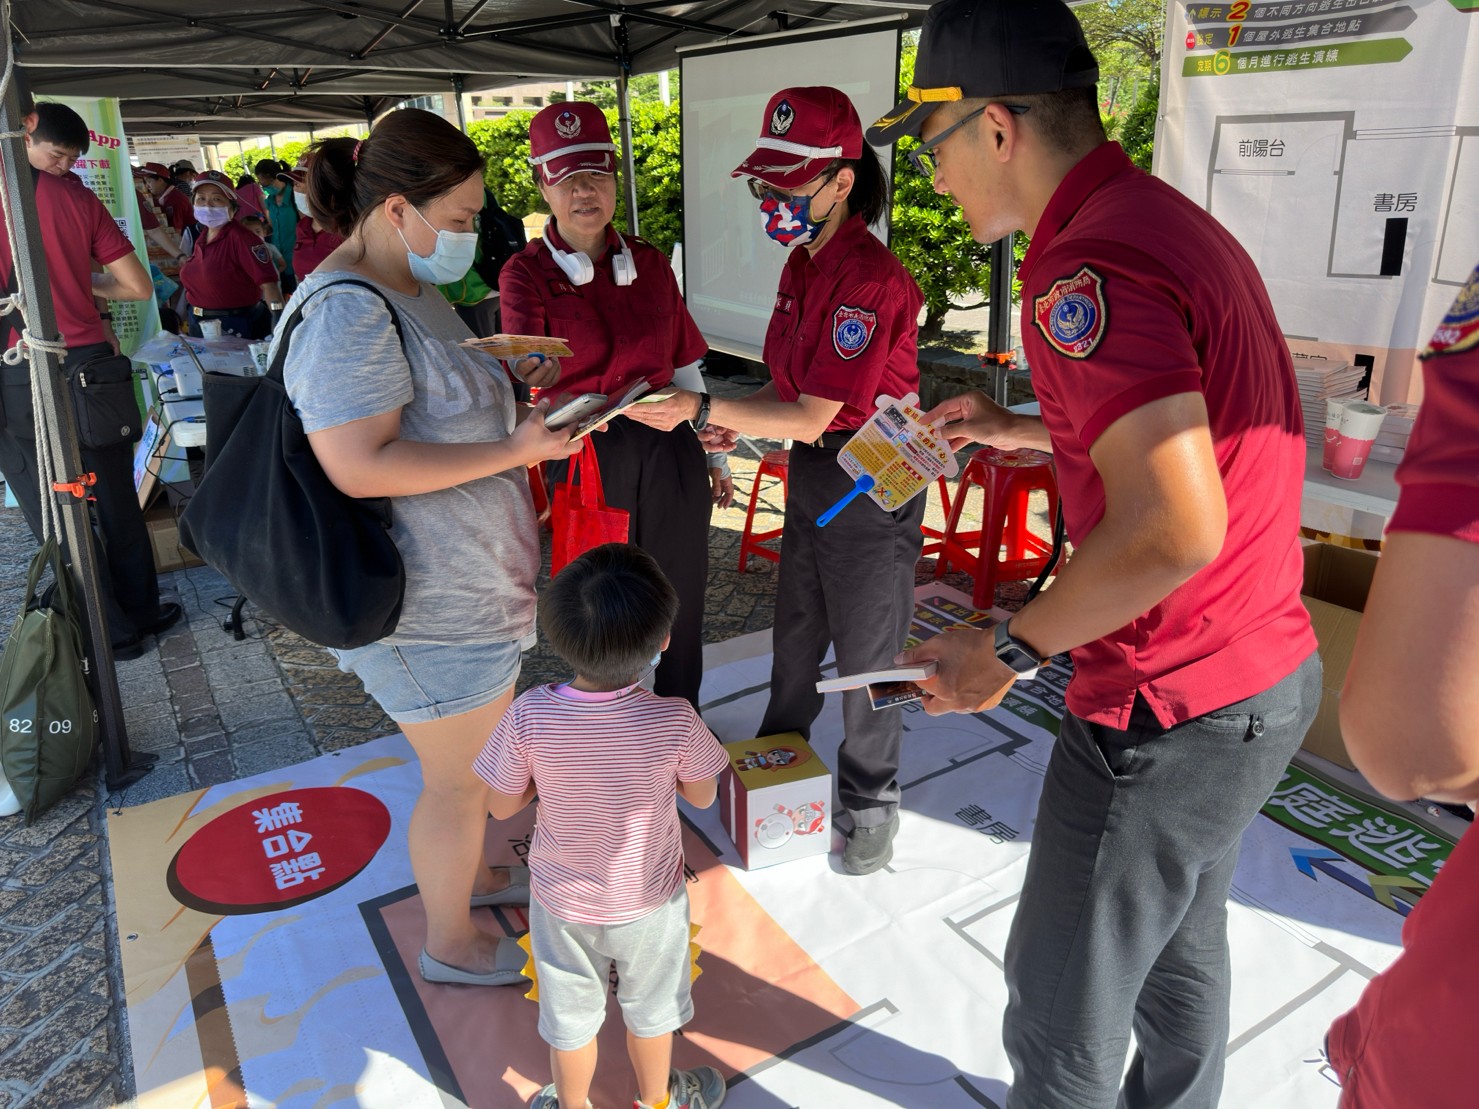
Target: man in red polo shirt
{"points": [[77, 231], [172, 202], [1170, 406]]}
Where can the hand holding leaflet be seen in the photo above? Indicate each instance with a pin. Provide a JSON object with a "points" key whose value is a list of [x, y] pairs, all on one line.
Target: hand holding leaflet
{"points": [[894, 686], [893, 457]]}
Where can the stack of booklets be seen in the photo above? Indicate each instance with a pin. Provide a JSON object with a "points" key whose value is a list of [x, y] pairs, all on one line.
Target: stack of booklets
{"points": [[1322, 379], [1391, 440]]}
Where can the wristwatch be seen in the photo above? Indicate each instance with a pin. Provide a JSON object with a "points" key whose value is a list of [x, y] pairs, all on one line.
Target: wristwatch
{"points": [[701, 421], [1017, 655]]}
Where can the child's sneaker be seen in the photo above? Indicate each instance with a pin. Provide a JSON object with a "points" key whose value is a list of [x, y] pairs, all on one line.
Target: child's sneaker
{"points": [[699, 1088], [547, 1098]]}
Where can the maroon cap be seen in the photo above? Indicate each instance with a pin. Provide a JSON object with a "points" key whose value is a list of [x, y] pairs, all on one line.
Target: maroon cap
{"points": [[570, 138], [803, 131], [156, 169], [217, 178]]}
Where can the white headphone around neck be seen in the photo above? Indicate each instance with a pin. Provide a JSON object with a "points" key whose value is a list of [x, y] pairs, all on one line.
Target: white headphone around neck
{"points": [[578, 267]]}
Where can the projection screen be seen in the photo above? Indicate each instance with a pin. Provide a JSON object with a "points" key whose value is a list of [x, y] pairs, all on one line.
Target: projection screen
{"points": [[730, 268]]}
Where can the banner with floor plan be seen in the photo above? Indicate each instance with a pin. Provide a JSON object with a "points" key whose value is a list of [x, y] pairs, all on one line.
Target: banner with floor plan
{"points": [[270, 928], [1339, 141]]}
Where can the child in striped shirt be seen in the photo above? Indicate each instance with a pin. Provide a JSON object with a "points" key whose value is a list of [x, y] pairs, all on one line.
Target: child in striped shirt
{"points": [[607, 760]]}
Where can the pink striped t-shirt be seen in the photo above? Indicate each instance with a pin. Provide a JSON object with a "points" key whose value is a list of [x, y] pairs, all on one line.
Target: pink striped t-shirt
{"points": [[607, 846]]}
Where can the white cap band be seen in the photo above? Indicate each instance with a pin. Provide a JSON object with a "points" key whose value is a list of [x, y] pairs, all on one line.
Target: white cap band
{"points": [[576, 149], [765, 142]]}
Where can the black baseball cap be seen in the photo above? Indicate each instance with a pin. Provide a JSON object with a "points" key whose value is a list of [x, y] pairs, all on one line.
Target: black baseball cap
{"points": [[985, 49]]}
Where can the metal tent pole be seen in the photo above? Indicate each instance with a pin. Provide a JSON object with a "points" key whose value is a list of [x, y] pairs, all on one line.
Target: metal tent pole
{"points": [[999, 322], [457, 84], [624, 118], [59, 443]]}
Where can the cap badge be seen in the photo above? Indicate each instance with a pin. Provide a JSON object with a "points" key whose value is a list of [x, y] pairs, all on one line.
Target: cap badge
{"points": [[567, 124], [1073, 314], [782, 118]]}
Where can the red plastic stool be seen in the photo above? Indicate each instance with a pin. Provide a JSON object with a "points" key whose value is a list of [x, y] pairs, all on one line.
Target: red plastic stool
{"points": [[777, 464], [934, 538], [1003, 549]]}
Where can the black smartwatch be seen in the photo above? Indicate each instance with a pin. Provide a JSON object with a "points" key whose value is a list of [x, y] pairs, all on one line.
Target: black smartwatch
{"points": [[1017, 655], [701, 421]]}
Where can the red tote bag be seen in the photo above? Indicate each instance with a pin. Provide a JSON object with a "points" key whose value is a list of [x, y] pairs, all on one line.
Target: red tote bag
{"points": [[581, 517]]}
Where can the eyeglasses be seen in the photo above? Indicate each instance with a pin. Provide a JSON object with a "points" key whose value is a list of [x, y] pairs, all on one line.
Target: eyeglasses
{"points": [[760, 190], [922, 157]]}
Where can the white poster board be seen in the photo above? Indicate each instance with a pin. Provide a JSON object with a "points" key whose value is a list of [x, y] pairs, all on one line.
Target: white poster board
{"points": [[731, 269], [1338, 140]]}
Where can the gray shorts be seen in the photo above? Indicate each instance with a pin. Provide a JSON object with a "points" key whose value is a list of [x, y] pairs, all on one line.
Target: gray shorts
{"points": [[573, 964]]}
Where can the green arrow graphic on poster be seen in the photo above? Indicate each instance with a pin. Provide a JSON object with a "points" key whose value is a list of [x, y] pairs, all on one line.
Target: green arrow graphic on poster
{"points": [[1243, 62], [106, 171]]}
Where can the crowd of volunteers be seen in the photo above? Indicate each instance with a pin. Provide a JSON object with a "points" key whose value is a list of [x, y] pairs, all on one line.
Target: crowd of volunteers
{"points": [[1167, 400]]}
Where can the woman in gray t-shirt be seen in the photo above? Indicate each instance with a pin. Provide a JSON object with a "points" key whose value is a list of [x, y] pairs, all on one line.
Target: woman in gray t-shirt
{"points": [[416, 417]]}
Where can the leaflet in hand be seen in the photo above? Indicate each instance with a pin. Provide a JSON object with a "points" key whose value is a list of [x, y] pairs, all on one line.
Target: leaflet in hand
{"points": [[519, 346], [614, 407], [894, 686]]}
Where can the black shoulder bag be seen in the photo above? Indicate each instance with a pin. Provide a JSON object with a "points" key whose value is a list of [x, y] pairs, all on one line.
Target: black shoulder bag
{"points": [[267, 517]]}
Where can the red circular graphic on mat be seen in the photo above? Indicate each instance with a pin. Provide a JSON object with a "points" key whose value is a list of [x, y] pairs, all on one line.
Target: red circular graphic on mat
{"points": [[278, 851]]}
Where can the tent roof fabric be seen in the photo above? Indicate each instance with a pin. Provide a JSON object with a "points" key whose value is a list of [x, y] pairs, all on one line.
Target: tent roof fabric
{"points": [[208, 66]]}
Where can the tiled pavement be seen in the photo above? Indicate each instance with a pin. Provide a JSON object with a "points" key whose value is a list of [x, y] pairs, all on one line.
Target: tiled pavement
{"points": [[212, 709]]}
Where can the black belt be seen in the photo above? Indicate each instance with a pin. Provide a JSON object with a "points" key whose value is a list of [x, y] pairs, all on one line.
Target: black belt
{"points": [[222, 313], [832, 440]]}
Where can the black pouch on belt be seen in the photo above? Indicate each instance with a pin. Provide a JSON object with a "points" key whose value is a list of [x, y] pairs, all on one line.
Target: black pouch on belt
{"points": [[103, 396]]}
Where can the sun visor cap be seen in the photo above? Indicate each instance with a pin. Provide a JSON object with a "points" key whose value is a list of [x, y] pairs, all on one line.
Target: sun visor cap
{"points": [[571, 137], [803, 131], [988, 49]]}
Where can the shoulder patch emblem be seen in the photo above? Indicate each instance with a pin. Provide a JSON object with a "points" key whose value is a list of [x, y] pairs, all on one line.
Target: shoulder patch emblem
{"points": [[259, 252], [852, 330], [1073, 314], [1459, 330]]}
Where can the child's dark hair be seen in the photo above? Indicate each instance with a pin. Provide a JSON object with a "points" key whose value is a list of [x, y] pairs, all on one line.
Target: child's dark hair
{"points": [[59, 124], [415, 154], [608, 612]]}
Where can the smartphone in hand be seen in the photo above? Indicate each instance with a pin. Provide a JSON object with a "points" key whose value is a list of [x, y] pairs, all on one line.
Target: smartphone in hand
{"points": [[574, 410]]}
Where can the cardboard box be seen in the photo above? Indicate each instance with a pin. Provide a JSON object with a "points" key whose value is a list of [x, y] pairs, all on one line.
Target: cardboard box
{"points": [[164, 537], [775, 798], [1336, 582]]}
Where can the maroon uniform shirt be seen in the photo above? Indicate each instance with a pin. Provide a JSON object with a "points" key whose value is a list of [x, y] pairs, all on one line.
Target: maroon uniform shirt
{"points": [[76, 231], [176, 207], [1410, 1039], [845, 326], [1131, 293], [312, 247], [229, 272], [618, 333]]}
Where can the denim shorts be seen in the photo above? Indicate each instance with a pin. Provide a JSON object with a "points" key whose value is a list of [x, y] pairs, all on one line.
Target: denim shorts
{"points": [[419, 682], [572, 966]]}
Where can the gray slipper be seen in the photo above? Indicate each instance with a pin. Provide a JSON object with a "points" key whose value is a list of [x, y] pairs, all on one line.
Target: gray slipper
{"points": [[515, 893], [509, 964]]}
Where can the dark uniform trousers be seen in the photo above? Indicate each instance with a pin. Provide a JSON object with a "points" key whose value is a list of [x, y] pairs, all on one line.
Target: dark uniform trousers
{"points": [[255, 323], [130, 590], [662, 479], [1122, 922], [851, 584]]}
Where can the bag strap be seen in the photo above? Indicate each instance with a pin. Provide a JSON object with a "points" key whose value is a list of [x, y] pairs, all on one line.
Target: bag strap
{"points": [[280, 358], [592, 491], [49, 554]]}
